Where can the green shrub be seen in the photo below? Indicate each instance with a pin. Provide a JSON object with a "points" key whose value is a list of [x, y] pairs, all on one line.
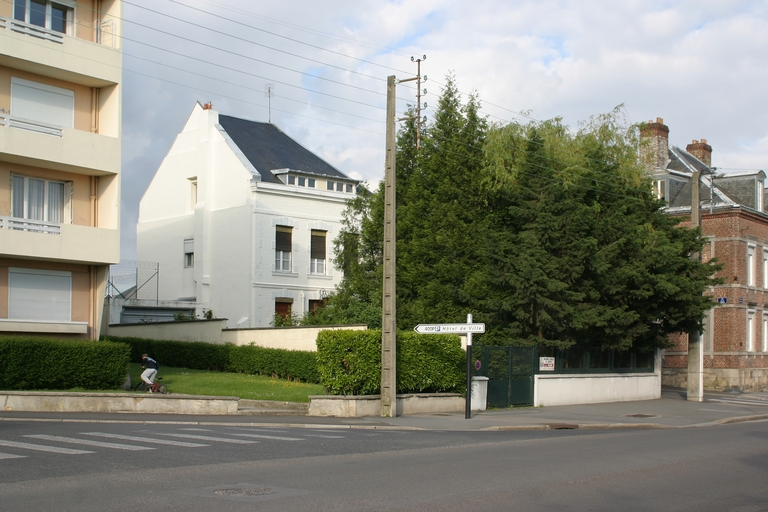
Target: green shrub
{"points": [[349, 362], [272, 362], [32, 362], [285, 364]]}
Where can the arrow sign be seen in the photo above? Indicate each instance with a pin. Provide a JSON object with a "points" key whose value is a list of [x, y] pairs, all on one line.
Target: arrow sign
{"points": [[450, 328]]}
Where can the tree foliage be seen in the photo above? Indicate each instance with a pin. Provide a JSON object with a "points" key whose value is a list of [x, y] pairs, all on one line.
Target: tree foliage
{"points": [[548, 236]]}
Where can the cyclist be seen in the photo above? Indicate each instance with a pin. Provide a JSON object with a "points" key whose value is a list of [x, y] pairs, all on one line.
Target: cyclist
{"points": [[150, 367]]}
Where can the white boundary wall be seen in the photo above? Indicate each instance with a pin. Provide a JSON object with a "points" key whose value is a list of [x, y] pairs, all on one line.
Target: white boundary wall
{"points": [[214, 331]]}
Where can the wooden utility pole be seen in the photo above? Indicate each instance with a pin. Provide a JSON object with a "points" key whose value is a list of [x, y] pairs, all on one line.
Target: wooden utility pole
{"points": [[388, 303], [695, 352]]}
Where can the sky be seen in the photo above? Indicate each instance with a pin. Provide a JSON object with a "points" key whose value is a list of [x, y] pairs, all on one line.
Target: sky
{"points": [[700, 65]]}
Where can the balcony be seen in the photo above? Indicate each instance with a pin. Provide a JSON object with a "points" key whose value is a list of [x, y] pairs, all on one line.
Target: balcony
{"points": [[33, 143], [61, 56], [32, 239]]}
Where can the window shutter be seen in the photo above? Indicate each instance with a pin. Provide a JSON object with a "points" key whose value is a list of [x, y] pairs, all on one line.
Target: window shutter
{"points": [[318, 245], [283, 239]]}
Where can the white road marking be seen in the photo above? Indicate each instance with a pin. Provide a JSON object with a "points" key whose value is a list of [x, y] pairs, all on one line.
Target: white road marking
{"points": [[100, 444], [324, 436], [144, 439], [42, 448], [209, 438], [9, 456], [197, 429], [278, 438], [736, 401]]}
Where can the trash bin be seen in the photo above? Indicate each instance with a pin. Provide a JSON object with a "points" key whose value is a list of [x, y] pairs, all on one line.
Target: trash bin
{"points": [[479, 393]]}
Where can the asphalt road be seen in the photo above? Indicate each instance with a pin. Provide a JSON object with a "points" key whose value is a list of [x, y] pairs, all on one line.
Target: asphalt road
{"points": [[60, 466]]}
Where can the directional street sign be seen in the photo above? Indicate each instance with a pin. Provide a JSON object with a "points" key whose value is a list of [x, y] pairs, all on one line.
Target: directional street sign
{"points": [[450, 328]]}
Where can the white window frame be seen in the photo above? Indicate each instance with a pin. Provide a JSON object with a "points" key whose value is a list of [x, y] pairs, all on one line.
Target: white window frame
{"points": [[750, 330], [750, 265], [66, 211], [765, 268], [765, 331], [69, 22], [283, 258]]}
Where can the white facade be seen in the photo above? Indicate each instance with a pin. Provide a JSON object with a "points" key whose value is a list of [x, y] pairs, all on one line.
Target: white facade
{"points": [[210, 219]]}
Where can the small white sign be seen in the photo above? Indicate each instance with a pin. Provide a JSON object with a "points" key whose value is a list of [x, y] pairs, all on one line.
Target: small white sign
{"points": [[450, 328], [546, 364]]}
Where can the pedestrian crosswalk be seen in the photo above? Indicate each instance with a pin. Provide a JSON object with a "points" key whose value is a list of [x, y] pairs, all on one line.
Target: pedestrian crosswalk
{"points": [[25, 445]]}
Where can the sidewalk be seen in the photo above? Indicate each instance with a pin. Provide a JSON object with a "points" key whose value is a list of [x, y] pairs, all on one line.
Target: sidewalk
{"points": [[670, 411]]}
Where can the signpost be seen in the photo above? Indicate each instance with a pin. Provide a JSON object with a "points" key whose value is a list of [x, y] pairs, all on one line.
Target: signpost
{"points": [[468, 328]]}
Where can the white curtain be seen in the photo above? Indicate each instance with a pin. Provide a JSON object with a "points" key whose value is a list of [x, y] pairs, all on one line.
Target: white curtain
{"points": [[36, 199], [17, 209], [55, 202]]}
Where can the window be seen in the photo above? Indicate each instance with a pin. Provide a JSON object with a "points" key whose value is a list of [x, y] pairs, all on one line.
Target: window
{"points": [[314, 305], [39, 199], [291, 180], [302, 181], [192, 192], [42, 102], [765, 331], [283, 242], [39, 295], [317, 252], [311, 182], [339, 187], [750, 264], [56, 16], [283, 308], [349, 187], [189, 253], [765, 268], [329, 185], [750, 331]]}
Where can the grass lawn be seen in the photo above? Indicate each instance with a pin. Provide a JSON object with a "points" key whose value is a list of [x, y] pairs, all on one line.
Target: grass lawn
{"points": [[250, 387]]}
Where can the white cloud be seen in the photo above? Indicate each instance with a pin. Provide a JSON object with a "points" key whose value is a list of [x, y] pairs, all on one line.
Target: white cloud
{"points": [[701, 65]]}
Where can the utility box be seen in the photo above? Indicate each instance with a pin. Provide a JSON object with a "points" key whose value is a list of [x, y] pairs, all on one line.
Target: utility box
{"points": [[479, 393]]}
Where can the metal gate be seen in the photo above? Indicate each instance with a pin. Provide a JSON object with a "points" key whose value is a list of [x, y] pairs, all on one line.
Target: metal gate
{"points": [[510, 375]]}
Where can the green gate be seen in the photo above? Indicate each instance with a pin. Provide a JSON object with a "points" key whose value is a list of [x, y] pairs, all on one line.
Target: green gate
{"points": [[510, 375]]}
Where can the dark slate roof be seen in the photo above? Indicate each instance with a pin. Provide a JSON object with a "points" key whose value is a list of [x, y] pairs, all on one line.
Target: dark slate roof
{"points": [[268, 148]]}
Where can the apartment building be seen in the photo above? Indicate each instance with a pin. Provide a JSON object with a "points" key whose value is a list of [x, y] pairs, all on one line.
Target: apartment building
{"points": [[735, 222], [60, 110]]}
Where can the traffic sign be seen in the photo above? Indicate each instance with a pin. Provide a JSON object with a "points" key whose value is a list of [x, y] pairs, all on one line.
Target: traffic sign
{"points": [[450, 328]]}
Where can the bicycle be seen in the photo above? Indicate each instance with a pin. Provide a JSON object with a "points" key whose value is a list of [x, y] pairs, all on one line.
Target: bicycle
{"points": [[156, 387]]}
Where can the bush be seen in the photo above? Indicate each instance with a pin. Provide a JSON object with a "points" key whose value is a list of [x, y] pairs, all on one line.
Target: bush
{"points": [[31, 362], [272, 362], [349, 362]]}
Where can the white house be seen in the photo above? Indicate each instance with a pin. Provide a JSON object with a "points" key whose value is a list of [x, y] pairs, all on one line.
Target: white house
{"points": [[241, 219]]}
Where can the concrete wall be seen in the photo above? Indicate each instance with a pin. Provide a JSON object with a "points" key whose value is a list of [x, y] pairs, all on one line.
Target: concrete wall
{"points": [[370, 405], [572, 389], [213, 331]]}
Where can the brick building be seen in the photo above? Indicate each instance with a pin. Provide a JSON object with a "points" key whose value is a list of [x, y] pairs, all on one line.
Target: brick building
{"points": [[734, 220]]}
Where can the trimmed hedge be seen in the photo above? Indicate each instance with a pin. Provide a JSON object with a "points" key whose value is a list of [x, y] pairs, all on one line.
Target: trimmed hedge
{"points": [[350, 362], [249, 359], [33, 362]]}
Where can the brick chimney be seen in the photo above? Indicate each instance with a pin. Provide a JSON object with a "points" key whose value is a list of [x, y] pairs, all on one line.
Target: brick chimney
{"points": [[654, 148], [207, 106], [701, 150]]}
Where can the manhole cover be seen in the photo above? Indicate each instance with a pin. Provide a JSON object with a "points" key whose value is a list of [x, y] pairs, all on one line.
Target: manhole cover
{"points": [[261, 491], [642, 415]]}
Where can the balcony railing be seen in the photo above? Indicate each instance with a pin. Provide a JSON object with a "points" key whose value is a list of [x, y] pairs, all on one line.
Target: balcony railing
{"points": [[28, 124], [32, 226], [106, 33], [31, 30]]}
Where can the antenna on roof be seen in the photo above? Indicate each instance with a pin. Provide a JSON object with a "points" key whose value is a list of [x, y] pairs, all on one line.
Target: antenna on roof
{"points": [[268, 92]]}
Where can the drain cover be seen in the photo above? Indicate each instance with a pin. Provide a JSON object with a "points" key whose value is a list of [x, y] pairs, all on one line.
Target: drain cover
{"points": [[642, 415], [260, 491]]}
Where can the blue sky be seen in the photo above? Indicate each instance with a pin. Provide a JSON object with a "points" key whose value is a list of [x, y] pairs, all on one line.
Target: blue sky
{"points": [[700, 65]]}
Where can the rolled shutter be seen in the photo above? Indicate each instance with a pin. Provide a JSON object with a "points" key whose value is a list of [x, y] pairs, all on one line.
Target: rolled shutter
{"points": [[318, 245], [283, 238]]}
